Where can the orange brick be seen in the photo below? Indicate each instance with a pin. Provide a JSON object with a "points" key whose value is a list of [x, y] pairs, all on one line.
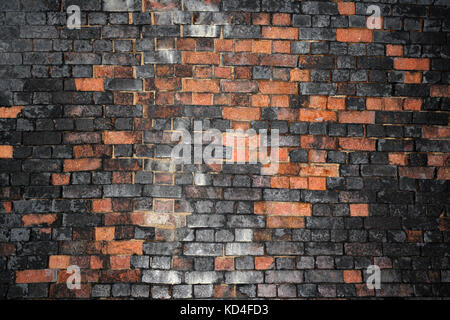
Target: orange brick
{"points": [[357, 117], [392, 104], [60, 179], [361, 144], [261, 19], [443, 173], [317, 156], [260, 100], [243, 45], [277, 87], [262, 46], [352, 276], [318, 102], [374, 104], [359, 210], [10, 112], [208, 58], [101, 205], [186, 44], [281, 19], [38, 219], [122, 137], [317, 115], [317, 183], [71, 165], [119, 262], [59, 262], [279, 182], [103, 71], [275, 222], [276, 208], [335, 103], [300, 75], [319, 170], [411, 64], [436, 132], [104, 233], [413, 77], [224, 264], [6, 152], [169, 84], [280, 101], [354, 35], [241, 113], [126, 247], [223, 72], [414, 235], [394, 50], [298, 183], [223, 45], [89, 84], [36, 276], [264, 263], [412, 104], [346, 8], [280, 33], [96, 263], [436, 160], [192, 85], [435, 91], [400, 159], [281, 47], [202, 99]]}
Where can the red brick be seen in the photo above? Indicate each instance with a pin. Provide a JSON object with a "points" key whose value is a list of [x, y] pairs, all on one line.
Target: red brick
{"points": [[223, 72], [436, 132], [318, 142], [400, 159], [89, 84], [103, 71], [336, 103], [280, 33], [354, 35], [413, 77], [374, 104], [72, 165], [282, 47], [346, 8], [186, 44], [243, 45], [412, 104], [361, 144], [224, 264], [223, 45], [101, 205], [200, 58], [416, 172], [119, 262], [169, 84], [241, 113], [127, 247], [359, 210], [279, 60], [240, 59], [122, 137], [262, 46], [443, 173], [317, 183], [414, 235], [411, 64], [264, 263], [104, 233], [318, 102], [317, 115], [357, 117], [241, 86], [202, 99], [261, 19], [298, 183], [352, 276], [260, 100], [319, 170], [6, 152], [279, 182], [275, 208], [38, 219], [281, 19], [394, 50], [300, 75], [10, 112], [36, 276], [192, 85], [60, 179], [277, 222], [435, 91], [59, 262]]}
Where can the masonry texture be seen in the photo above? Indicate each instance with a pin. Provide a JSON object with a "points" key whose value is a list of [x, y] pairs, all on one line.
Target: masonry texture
{"points": [[86, 177]]}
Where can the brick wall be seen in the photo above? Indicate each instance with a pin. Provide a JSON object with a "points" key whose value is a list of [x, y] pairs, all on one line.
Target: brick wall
{"points": [[86, 176]]}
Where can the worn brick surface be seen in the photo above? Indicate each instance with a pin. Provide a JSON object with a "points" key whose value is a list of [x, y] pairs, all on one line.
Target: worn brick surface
{"points": [[86, 177]]}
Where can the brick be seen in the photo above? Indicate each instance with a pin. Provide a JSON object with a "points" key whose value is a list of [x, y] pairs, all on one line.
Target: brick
{"points": [[38, 219], [277, 87], [359, 210], [283, 208], [6, 152], [36, 276], [241, 86], [316, 115], [346, 8], [127, 247], [435, 91], [416, 172], [224, 263], [200, 58], [366, 117], [59, 262], [357, 144], [264, 263], [241, 113], [104, 233], [411, 64], [82, 165], [300, 75], [354, 35], [280, 33], [320, 170], [10, 112], [394, 50], [192, 85], [122, 137], [352, 276], [60, 179], [285, 222]]}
